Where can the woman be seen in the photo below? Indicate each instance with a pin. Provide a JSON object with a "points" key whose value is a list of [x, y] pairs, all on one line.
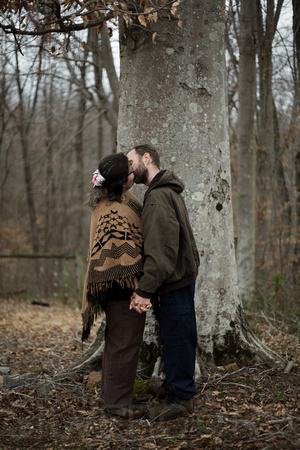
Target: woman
{"points": [[114, 265]]}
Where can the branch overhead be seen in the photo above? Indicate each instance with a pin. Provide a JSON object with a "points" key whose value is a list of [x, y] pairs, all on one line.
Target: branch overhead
{"points": [[42, 17]]}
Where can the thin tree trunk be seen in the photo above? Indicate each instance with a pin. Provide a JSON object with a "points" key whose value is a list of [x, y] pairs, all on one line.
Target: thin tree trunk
{"points": [[296, 30], [290, 150], [265, 153], [109, 66], [281, 219], [25, 118], [79, 140], [63, 180], [265, 182], [94, 46], [6, 114], [49, 188], [246, 149]]}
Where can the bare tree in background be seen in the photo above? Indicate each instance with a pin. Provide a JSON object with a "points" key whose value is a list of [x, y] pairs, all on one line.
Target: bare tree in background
{"points": [[291, 154], [275, 103], [7, 111], [246, 148], [48, 102], [102, 57], [265, 133], [24, 116]]}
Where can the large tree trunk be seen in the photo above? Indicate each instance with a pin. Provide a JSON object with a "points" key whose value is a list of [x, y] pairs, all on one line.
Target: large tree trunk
{"points": [[246, 149], [173, 95]]}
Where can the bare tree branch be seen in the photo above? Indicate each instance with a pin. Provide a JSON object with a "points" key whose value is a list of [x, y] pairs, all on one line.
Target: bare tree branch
{"points": [[92, 13]]}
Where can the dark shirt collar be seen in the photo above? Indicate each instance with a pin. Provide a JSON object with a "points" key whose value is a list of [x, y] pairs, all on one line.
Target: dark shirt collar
{"points": [[156, 178], [153, 182]]}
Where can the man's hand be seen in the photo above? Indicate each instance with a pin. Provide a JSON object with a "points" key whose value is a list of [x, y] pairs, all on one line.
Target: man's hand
{"points": [[140, 304]]}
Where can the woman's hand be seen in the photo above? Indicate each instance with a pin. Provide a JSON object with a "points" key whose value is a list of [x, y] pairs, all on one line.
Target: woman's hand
{"points": [[140, 304]]}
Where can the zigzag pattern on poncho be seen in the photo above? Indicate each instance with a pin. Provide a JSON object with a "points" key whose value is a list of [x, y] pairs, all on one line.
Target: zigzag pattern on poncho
{"points": [[115, 255]]}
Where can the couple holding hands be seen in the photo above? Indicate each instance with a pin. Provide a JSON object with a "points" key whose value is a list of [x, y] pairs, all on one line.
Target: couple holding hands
{"points": [[139, 254]]}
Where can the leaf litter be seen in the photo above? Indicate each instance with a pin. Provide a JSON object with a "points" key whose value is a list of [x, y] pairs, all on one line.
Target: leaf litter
{"points": [[243, 407]]}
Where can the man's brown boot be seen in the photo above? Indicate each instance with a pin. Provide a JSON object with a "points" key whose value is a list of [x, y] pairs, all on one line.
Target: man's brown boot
{"points": [[178, 407]]}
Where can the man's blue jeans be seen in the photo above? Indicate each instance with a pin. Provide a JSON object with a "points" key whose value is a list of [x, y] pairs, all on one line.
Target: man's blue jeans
{"points": [[178, 336]]}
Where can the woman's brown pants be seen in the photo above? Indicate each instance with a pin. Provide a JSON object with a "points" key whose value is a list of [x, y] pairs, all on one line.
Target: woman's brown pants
{"points": [[123, 338]]}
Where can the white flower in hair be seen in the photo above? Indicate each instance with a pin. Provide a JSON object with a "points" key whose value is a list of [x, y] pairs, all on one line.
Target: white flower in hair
{"points": [[97, 178]]}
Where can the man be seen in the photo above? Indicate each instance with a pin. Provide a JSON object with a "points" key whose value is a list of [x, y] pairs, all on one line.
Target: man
{"points": [[170, 269]]}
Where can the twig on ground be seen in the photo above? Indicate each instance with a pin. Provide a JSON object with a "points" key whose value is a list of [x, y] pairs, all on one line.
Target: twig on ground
{"points": [[266, 436], [240, 385], [16, 393], [276, 329], [219, 379]]}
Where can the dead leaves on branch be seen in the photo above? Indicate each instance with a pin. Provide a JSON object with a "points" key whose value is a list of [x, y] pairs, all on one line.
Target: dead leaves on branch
{"points": [[38, 17]]}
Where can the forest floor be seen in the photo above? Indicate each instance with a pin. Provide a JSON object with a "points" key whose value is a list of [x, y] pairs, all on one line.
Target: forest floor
{"points": [[250, 408]]}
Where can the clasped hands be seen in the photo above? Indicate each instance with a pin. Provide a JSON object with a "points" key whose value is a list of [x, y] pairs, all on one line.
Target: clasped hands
{"points": [[140, 304]]}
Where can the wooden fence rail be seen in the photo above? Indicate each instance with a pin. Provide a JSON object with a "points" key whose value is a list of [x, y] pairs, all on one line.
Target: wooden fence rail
{"points": [[79, 267]]}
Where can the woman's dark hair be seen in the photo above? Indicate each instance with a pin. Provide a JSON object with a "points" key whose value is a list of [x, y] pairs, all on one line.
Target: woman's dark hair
{"points": [[114, 168]]}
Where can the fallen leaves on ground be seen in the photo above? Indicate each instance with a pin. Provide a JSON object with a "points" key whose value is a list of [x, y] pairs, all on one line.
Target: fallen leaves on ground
{"points": [[247, 408]]}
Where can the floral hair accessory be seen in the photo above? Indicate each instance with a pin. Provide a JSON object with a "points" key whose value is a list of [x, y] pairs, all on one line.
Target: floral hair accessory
{"points": [[97, 178]]}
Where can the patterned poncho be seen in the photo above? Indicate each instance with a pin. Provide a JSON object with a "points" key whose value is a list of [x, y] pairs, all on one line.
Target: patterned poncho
{"points": [[115, 255]]}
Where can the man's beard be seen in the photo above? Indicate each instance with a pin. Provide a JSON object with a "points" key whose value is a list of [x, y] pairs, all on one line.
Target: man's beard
{"points": [[141, 174]]}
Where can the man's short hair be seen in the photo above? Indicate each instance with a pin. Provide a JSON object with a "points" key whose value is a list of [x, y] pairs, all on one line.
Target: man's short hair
{"points": [[147, 148]]}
